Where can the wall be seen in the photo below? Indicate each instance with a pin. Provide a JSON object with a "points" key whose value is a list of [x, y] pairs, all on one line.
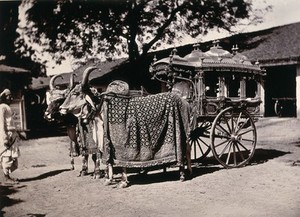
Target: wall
{"points": [[298, 91]]}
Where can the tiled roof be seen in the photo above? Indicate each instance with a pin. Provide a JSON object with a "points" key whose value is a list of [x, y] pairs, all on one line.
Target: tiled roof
{"points": [[105, 67], [279, 44], [12, 70]]}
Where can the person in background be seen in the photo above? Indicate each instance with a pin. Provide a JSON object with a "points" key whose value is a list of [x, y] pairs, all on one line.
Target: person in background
{"points": [[9, 150]]}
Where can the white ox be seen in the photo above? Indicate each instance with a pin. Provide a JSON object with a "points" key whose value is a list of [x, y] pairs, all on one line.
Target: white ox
{"points": [[170, 144], [90, 128], [55, 98]]}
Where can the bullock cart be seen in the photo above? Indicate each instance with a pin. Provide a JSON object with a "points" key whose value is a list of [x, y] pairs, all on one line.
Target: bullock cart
{"points": [[128, 129], [223, 90]]}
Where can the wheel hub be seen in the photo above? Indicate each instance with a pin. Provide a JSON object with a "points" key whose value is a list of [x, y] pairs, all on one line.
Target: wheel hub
{"points": [[235, 137]]}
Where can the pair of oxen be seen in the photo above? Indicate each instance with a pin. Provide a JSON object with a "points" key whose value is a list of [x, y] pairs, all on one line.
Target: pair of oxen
{"points": [[82, 109]]}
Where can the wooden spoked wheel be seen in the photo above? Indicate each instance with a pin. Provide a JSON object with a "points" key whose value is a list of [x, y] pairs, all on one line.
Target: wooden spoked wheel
{"points": [[199, 141], [278, 108], [233, 137]]}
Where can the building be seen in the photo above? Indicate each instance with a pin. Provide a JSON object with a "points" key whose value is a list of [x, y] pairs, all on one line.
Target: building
{"points": [[278, 51], [17, 80]]}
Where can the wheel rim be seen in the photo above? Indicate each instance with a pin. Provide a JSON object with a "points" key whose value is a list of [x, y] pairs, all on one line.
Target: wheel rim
{"points": [[199, 141], [278, 109], [233, 137]]}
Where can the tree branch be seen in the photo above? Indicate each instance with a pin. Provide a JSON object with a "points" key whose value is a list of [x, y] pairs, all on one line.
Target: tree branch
{"points": [[161, 30]]}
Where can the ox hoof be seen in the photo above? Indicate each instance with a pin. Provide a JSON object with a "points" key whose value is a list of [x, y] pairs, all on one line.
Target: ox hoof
{"points": [[122, 184], [182, 177], [83, 173], [97, 176], [108, 182]]}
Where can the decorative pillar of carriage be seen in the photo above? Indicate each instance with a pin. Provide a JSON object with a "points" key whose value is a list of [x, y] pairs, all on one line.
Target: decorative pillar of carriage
{"points": [[222, 88]]}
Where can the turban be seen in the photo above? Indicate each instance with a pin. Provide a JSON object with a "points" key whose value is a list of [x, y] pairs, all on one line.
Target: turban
{"points": [[5, 92]]}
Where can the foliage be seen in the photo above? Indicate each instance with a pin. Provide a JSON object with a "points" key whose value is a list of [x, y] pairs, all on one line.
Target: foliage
{"points": [[8, 33], [110, 28]]}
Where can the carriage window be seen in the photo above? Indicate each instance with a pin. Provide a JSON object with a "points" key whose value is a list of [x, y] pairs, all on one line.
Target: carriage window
{"points": [[251, 88], [233, 86], [211, 85]]}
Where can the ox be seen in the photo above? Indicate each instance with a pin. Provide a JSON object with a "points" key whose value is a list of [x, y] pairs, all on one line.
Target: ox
{"points": [[79, 102], [56, 98], [145, 131], [168, 145]]}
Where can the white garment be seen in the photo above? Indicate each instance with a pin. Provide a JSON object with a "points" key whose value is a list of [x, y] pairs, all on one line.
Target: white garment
{"points": [[7, 133], [98, 132]]}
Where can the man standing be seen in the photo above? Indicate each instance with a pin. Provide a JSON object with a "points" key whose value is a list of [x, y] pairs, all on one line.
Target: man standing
{"points": [[9, 150]]}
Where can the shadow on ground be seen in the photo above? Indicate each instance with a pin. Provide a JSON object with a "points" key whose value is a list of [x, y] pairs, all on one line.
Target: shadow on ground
{"points": [[44, 175], [5, 200], [264, 155], [7, 190], [206, 166]]}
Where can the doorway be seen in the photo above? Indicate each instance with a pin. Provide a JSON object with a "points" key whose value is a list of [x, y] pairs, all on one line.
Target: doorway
{"points": [[280, 91]]}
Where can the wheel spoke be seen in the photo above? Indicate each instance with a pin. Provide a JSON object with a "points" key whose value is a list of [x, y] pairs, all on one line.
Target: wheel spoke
{"points": [[228, 156], [247, 140], [207, 145], [205, 135], [234, 153], [247, 131], [241, 154], [199, 145], [243, 146], [224, 149], [244, 123], [222, 129], [237, 121], [222, 143]]}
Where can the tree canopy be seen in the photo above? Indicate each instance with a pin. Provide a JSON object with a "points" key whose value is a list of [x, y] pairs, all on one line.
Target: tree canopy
{"points": [[9, 11], [110, 28]]}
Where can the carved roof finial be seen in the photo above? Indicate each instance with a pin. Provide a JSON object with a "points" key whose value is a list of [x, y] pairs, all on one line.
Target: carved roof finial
{"points": [[216, 43], [235, 49], [196, 46]]}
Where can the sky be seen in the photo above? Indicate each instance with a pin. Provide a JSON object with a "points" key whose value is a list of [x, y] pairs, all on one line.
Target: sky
{"points": [[283, 12]]}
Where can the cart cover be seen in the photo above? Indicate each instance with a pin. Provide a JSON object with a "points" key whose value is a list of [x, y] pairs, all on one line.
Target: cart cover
{"points": [[146, 131]]}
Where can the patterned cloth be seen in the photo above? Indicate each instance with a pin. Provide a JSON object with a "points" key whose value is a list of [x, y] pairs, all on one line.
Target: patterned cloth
{"points": [[85, 138], [146, 131]]}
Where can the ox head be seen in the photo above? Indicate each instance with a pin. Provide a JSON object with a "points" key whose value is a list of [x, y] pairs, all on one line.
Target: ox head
{"points": [[56, 98], [78, 98]]}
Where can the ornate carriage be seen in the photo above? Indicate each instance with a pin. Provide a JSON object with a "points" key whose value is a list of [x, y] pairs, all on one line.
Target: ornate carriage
{"points": [[223, 90]]}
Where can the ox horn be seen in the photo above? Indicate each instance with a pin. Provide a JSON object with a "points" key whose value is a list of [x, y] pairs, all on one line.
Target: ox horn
{"points": [[86, 74], [51, 83], [72, 83]]}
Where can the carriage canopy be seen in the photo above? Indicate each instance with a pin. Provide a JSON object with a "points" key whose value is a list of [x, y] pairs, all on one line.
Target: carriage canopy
{"points": [[214, 60]]}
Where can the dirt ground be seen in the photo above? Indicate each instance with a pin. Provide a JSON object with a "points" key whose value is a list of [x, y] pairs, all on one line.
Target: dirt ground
{"points": [[268, 187]]}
